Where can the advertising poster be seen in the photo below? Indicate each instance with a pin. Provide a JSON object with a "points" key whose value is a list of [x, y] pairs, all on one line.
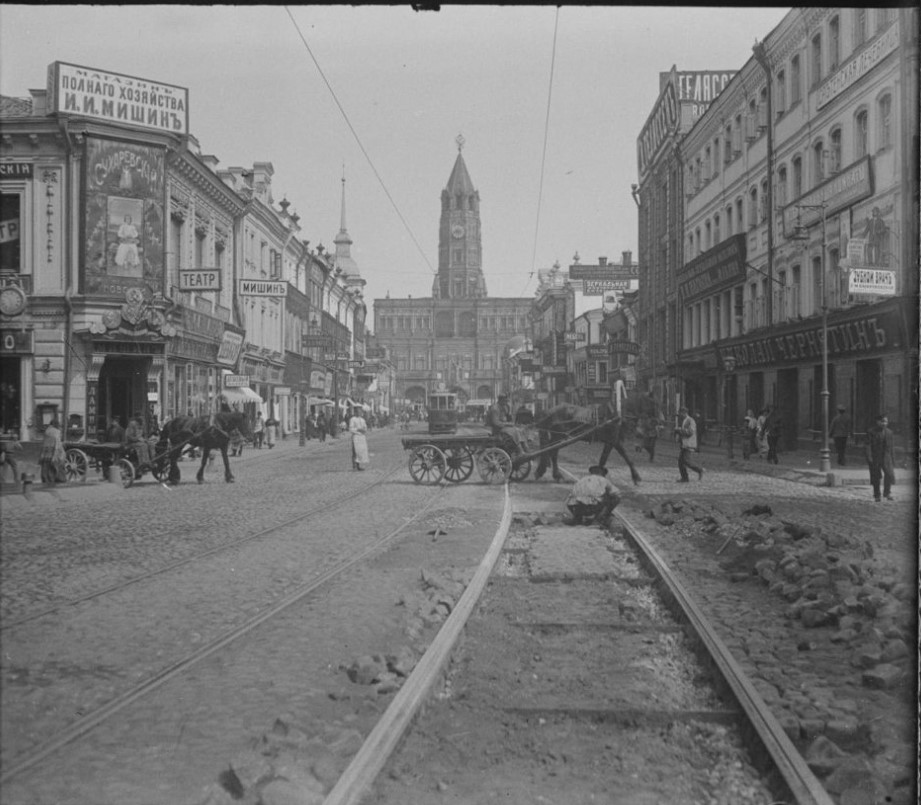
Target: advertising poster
{"points": [[124, 226]]}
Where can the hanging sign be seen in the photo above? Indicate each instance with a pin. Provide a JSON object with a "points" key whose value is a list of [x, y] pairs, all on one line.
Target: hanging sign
{"points": [[199, 279], [269, 288], [876, 281]]}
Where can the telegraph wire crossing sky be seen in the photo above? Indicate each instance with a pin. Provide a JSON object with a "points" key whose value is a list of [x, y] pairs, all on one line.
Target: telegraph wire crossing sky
{"points": [[549, 101]]}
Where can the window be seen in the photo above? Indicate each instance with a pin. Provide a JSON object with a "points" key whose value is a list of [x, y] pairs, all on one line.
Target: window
{"points": [[796, 88], [860, 27], [833, 44], [885, 121], [834, 151], [795, 282], [727, 145], [882, 19], [781, 93], [861, 144], [707, 165], [175, 242], [797, 177], [716, 156], [716, 229], [709, 235], [753, 208], [700, 245], [737, 138], [763, 208], [817, 284], [818, 161], [740, 215], [11, 232], [781, 185], [816, 59], [199, 248]]}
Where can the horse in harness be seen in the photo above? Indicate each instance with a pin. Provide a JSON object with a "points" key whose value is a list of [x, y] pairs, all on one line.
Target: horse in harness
{"points": [[611, 423], [209, 432]]}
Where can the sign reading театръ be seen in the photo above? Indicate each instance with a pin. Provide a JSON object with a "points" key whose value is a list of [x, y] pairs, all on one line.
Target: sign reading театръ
{"points": [[263, 288], [199, 279]]}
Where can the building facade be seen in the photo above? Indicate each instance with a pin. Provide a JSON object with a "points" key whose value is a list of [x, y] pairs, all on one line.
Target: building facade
{"points": [[457, 339], [801, 228], [137, 278]]}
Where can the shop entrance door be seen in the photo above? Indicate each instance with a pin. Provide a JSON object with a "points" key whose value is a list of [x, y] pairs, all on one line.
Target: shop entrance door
{"points": [[10, 396], [122, 390], [788, 406]]}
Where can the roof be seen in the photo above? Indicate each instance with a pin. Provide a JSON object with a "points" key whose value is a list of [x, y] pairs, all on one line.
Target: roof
{"points": [[459, 182], [15, 107]]}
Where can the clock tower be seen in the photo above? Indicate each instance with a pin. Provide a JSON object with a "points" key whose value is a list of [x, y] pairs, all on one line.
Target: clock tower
{"points": [[460, 266]]}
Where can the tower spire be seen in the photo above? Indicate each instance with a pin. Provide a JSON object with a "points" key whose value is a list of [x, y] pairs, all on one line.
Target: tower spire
{"points": [[460, 142]]}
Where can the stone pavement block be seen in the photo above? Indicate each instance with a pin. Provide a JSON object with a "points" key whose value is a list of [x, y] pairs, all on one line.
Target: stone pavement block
{"points": [[571, 551]]}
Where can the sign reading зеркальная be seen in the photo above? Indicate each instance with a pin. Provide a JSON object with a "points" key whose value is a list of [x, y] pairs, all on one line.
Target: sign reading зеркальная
{"points": [[118, 98]]}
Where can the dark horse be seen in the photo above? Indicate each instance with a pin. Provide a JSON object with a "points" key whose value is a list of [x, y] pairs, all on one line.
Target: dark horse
{"points": [[609, 425], [209, 432]]}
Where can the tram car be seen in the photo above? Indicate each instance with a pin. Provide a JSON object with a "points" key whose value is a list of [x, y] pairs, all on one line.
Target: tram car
{"points": [[442, 412]]}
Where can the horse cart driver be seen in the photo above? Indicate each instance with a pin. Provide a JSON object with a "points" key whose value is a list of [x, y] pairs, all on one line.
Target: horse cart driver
{"points": [[499, 422]]}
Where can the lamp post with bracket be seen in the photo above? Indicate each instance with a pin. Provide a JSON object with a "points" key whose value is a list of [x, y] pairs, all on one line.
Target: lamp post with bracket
{"points": [[801, 233]]}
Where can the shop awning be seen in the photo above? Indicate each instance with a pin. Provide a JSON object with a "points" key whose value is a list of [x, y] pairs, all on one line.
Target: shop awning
{"points": [[241, 395], [319, 401]]}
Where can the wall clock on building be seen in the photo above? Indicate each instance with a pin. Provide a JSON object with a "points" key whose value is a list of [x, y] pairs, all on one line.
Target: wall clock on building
{"points": [[12, 300], [457, 230]]}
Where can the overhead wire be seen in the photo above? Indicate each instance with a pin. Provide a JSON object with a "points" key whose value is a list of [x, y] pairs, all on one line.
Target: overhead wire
{"points": [[358, 140], [543, 158]]}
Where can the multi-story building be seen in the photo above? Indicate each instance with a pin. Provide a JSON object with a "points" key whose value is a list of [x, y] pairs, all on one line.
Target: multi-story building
{"points": [[456, 339], [802, 189], [124, 257]]}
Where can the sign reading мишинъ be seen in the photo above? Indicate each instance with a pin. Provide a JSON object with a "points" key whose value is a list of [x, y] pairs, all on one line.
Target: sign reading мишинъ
{"points": [[118, 98]]}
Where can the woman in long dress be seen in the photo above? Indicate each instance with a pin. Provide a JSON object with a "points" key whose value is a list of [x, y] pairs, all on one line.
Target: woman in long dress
{"points": [[359, 428]]}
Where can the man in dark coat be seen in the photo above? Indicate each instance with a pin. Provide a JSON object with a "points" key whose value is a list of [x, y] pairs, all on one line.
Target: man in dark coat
{"points": [[838, 432], [881, 457]]}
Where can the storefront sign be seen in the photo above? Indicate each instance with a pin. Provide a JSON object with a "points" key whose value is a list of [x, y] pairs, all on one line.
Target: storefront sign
{"points": [[876, 281], [607, 273], [662, 121], [87, 92], [199, 279], [573, 338], [844, 189], [190, 349], [229, 350], [600, 287], [596, 352], [16, 341], [194, 321], [124, 220], [859, 66], [853, 338], [15, 170], [236, 381], [716, 268], [263, 288], [624, 347]]}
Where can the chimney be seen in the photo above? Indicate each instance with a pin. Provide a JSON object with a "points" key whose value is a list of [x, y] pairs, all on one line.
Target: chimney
{"points": [[39, 102], [628, 258], [602, 261]]}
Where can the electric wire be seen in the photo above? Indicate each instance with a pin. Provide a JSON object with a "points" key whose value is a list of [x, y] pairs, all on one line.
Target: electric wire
{"points": [[543, 158], [358, 140]]}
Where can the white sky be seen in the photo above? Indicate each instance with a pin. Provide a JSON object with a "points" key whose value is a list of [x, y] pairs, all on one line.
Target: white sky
{"points": [[409, 83]]}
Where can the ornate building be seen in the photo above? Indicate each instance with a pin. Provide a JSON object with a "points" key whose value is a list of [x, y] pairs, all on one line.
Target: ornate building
{"points": [[457, 339]]}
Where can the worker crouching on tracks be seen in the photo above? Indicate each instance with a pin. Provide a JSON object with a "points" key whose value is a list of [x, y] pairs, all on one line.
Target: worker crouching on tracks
{"points": [[593, 497]]}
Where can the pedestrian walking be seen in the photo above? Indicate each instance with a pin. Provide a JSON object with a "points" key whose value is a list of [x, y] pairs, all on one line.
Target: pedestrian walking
{"points": [[686, 434], [593, 496], [773, 429], [321, 427], [258, 431], [881, 457], [51, 457], [8, 448], [271, 432], [750, 435], [359, 429], [838, 432]]}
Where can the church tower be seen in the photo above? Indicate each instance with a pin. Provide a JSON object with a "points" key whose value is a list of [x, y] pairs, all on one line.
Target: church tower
{"points": [[460, 246]]}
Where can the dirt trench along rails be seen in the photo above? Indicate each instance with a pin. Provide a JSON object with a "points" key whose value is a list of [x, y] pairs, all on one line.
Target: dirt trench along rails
{"points": [[584, 674], [130, 692]]}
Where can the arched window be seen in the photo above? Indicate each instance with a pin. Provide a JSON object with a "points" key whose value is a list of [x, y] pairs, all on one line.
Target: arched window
{"points": [[797, 163], [834, 55], [860, 27], [816, 63], [818, 162], [885, 121], [834, 151], [753, 208], [716, 229], [781, 185], [796, 79], [861, 134]]}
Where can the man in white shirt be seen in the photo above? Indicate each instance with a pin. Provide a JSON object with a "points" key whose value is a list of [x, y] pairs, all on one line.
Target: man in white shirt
{"points": [[687, 438], [593, 496]]}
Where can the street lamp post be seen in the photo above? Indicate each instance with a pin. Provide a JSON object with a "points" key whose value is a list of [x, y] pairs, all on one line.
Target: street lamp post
{"points": [[824, 453], [729, 366]]}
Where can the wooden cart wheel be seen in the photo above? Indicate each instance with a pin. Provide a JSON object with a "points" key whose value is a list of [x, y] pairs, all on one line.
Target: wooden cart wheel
{"points": [[460, 464], [427, 464], [521, 470], [76, 465], [124, 470], [494, 465]]}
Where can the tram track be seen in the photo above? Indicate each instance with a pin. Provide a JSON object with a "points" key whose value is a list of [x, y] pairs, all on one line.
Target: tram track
{"points": [[582, 677], [6, 624], [83, 726]]}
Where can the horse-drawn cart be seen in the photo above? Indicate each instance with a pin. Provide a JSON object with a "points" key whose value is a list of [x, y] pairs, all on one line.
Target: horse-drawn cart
{"points": [[109, 457]]}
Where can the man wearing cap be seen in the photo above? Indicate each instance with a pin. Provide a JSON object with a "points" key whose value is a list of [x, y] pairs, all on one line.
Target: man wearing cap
{"points": [[838, 431], [687, 439], [593, 496], [499, 422]]}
